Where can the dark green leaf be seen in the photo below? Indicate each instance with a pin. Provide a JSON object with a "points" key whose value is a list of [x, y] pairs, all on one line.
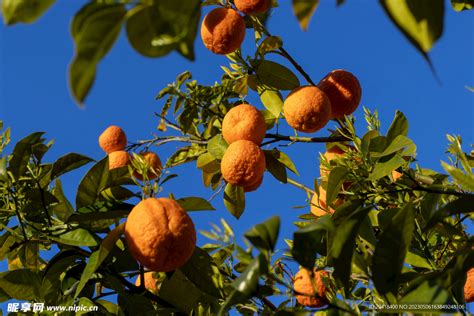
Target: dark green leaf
{"points": [[67, 163], [277, 76], [195, 204], [336, 179], [94, 29], [275, 167], [156, 29], [22, 154], [304, 10], [24, 11], [21, 284], [311, 239], [391, 250], [63, 209], [97, 257], [264, 235], [92, 184], [77, 237], [234, 200]]}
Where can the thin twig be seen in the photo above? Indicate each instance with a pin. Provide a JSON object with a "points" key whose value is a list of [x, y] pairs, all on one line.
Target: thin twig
{"points": [[299, 185], [296, 139]]}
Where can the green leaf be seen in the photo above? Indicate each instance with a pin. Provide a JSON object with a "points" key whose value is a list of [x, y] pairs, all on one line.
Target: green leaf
{"points": [[466, 181], [398, 143], [156, 29], [201, 270], [269, 44], [285, 160], [428, 292], [392, 249], [98, 256], [277, 76], [195, 204], [21, 284], [461, 5], [234, 200], [270, 119], [24, 11], [67, 163], [184, 155], [304, 10], [22, 154], [342, 242], [399, 126], [272, 101], [275, 167], [311, 239], [417, 260], [421, 21], [336, 179], [217, 146], [383, 169], [77, 237], [94, 29], [92, 184], [264, 235]]}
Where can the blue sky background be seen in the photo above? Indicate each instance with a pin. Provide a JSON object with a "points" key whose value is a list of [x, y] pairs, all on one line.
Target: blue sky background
{"points": [[357, 36]]}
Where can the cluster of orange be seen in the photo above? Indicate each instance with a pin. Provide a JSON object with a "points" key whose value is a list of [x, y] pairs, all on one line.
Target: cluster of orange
{"points": [[309, 108], [113, 141], [159, 233], [243, 163]]}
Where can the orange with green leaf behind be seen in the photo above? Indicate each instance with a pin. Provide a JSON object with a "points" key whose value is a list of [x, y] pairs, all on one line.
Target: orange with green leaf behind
{"points": [[311, 293], [222, 31], [244, 122], [343, 90], [307, 109], [119, 159], [160, 234], [252, 6], [243, 164], [112, 139]]}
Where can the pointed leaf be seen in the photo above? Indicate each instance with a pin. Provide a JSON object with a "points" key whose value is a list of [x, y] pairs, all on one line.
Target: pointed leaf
{"points": [[264, 235], [304, 10], [234, 200]]}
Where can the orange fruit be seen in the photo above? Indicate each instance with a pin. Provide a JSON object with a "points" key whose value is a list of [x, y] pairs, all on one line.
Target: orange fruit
{"points": [[254, 186], [150, 281], [154, 164], [112, 139], [343, 90], [334, 152], [160, 234], [306, 293], [307, 109], [118, 159], [318, 204], [243, 163], [252, 6], [396, 175], [244, 122], [469, 287], [223, 31]]}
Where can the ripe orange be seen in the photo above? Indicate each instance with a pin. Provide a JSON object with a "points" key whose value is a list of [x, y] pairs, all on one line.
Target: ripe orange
{"points": [[160, 234], [343, 90], [223, 31], [150, 282], [154, 164], [318, 204], [243, 163], [253, 186], [396, 175], [118, 159], [303, 285], [307, 109], [335, 152], [252, 6], [244, 122], [112, 139], [469, 287]]}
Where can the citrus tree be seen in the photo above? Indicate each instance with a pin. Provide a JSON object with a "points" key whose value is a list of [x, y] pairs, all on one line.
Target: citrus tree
{"points": [[379, 231]]}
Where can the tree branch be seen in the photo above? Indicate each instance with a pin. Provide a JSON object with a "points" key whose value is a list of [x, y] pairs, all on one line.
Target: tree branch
{"points": [[296, 139]]}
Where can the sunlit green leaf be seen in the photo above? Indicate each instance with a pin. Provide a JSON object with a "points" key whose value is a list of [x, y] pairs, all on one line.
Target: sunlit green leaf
{"points": [[24, 11], [304, 10]]}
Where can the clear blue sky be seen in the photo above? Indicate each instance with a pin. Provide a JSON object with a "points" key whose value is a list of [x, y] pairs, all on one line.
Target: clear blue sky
{"points": [[356, 36]]}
